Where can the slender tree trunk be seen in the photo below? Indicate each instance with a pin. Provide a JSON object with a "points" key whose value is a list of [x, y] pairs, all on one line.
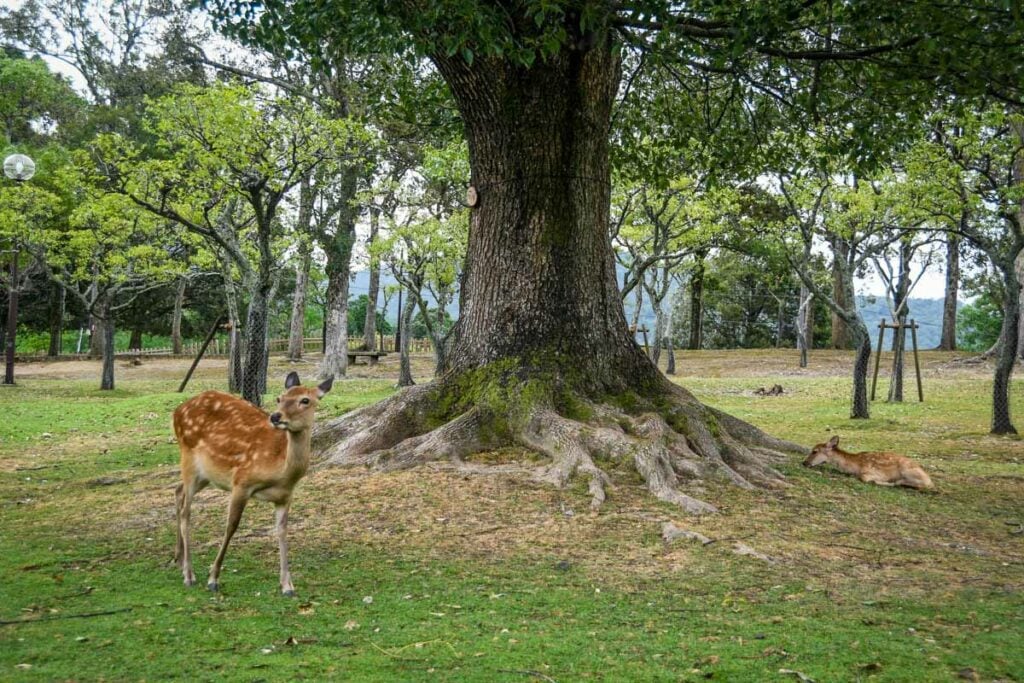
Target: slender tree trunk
{"points": [[135, 341], [404, 365], [338, 250], [370, 325], [335, 361], [103, 313], [58, 301], [234, 327], [803, 324], [896, 380], [297, 329], [841, 337], [638, 307], [179, 306], [1002, 422], [98, 338], [1018, 269], [659, 330], [860, 408], [254, 364], [697, 303], [947, 341]]}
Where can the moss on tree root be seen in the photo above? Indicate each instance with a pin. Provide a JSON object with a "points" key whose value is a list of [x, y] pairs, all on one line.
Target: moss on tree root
{"points": [[659, 432]]}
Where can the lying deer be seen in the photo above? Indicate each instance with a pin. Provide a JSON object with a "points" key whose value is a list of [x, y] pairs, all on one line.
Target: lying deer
{"points": [[887, 469], [232, 444]]}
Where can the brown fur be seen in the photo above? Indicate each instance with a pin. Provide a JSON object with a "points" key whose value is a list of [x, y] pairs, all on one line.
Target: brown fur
{"points": [[876, 467], [232, 444]]}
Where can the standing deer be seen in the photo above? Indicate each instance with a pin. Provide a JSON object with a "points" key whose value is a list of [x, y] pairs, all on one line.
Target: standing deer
{"points": [[886, 469], [232, 444]]}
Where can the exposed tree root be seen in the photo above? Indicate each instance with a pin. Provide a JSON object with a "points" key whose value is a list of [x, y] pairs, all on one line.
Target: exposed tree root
{"points": [[668, 444]]}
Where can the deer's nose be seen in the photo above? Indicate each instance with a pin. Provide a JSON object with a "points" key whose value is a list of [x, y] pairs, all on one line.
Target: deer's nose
{"points": [[275, 418]]}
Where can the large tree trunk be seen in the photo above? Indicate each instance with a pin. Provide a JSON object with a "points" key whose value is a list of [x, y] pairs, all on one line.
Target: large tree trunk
{"points": [[297, 328], [179, 307], [58, 302], [541, 356], [947, 341], [370, 325]]}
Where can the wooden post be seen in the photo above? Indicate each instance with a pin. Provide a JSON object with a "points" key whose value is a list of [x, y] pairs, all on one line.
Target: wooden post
{"points": [[202, 350], [917, 363], [643, 331], [878, 356]]}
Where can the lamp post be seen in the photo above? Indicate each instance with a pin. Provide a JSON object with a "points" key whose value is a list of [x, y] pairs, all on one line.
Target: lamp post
{"points": [[18, 168]]}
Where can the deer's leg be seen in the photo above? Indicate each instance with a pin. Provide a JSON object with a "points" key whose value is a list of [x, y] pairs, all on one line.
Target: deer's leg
{"points": [[184, 517], [281, 524], [235, 508], [179, 496]]}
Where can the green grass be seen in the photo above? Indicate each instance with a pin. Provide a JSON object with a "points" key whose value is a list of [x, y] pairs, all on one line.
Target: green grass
{"points": [[490, 580]]}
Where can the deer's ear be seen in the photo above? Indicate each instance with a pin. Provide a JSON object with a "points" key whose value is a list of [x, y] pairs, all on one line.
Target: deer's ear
{"points": [[833, 442], [324, 386], [292, 380]]}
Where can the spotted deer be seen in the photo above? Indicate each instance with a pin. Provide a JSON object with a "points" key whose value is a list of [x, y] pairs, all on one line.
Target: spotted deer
{"points": [[886, 469], [232, 444]]}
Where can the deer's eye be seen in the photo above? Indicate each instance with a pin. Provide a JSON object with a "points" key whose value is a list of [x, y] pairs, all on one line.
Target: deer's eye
{"points": [[304, 401]]}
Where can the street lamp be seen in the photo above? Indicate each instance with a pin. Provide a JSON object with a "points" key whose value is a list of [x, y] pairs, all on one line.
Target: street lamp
{"points": [[18, 168]]}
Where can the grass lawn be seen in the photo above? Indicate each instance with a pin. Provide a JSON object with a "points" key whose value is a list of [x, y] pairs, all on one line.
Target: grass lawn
{"points": [[429, 575]]}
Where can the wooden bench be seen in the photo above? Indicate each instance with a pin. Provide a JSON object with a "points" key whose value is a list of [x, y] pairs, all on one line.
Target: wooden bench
{"points": [[374, 356]]}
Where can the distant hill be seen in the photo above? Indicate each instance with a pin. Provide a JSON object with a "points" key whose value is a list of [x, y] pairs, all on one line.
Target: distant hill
{"points": [[926, 312]]}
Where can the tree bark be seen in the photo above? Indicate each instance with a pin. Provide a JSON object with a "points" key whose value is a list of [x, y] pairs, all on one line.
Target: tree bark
{"points": [[860, 408], [338, 250], [803, 324], [697, 302], [254, 364], [841, 337], [104, 314], [1002, 422], [335, 361], [297, 328], [179, 306], [370, 325], [947, 341], [404, 364], [58, 302], [234, 324], [541, 356], [97, 340], [135, 341]]}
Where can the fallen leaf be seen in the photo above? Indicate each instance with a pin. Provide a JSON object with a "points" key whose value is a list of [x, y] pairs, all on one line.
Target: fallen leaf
{"points": [[804, 678]]}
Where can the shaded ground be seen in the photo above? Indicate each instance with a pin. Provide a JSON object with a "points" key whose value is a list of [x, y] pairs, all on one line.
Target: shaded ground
{"points": [[492, 578]]}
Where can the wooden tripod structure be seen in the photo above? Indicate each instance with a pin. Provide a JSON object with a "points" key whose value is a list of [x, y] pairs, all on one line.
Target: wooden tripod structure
{"points": [[897, 330]]}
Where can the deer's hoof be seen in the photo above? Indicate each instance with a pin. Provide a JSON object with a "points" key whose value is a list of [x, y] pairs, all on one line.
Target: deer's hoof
{"points": [[190, 581], [213, 586], [288, 593]]}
